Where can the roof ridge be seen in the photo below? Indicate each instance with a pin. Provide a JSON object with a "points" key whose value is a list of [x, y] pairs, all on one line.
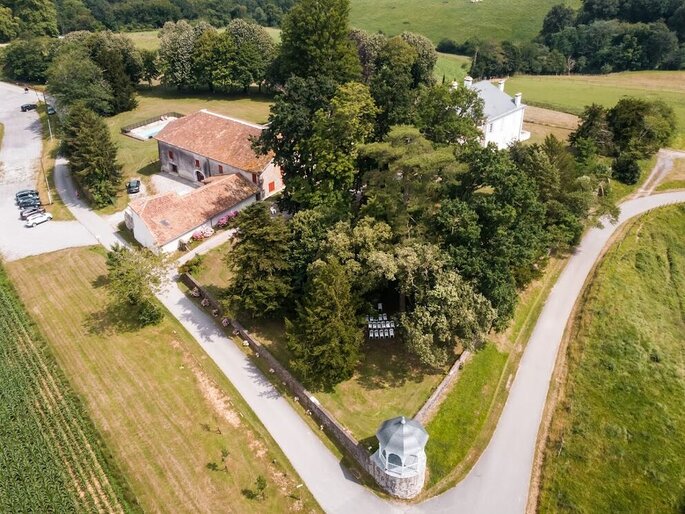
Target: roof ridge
{"points": [[237, 120]]}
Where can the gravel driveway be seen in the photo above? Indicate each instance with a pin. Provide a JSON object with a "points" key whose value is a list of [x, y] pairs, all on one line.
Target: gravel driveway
{"points": [[19, 163]]}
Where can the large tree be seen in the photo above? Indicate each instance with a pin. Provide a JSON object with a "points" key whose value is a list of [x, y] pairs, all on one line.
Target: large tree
{"points": [[93, 158], [291, 126], [29, 59], [36, 17], [444, 310], [325, 336], [641, 126], [134, 276], [74, 77], [450, 115], [262, 284], [392, 85], [255, 52], [9, 25], [315, 42], [338, 130]]}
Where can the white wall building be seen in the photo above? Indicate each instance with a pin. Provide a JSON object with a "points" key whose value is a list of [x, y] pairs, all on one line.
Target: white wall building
{"points": [[161, 221], [503, 113]]}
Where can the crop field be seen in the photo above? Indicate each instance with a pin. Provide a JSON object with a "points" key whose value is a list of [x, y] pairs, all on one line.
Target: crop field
{"points": [[572, 93], [52, 459], [515, 20], [180, 433], [616, 439]]}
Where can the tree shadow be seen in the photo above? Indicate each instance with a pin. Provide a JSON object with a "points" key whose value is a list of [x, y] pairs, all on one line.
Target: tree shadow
{"points": [[387, 363], [114, 318]]}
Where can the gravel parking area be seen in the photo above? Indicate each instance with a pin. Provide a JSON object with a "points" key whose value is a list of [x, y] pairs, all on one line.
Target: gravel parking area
{"points": [[19, 162]]}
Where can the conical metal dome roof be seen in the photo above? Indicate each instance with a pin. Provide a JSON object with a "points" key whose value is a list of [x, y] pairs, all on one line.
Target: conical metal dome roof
{"points": [[402, 436]]}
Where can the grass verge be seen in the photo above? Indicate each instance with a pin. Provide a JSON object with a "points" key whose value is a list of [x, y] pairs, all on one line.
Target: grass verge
{"points": [[166, 411], [614, 444], [46, 172]]}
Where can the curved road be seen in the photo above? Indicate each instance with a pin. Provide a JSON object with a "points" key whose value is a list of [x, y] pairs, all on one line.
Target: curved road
{"points": [[498, 483]]}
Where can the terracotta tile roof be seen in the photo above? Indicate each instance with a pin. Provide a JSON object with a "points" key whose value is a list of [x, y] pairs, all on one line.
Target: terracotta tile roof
{"points": [[170, 215], [218, 137]]}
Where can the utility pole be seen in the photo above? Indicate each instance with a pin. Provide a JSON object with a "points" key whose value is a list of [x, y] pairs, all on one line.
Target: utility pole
{"points": [[45, 177]]}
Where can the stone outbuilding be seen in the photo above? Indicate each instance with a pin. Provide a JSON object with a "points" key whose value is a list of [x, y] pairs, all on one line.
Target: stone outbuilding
{"points": [[399, 465]]}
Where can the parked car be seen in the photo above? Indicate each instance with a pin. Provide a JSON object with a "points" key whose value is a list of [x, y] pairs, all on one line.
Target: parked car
{"points": [[29, 201], [133, 186], [24, 193], [30, 211], [37, 219], [28, 107], [50, 110]]}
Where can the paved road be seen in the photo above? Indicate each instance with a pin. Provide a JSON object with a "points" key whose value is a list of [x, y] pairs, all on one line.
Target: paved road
{"points": [[19, 163], [664, 164]]}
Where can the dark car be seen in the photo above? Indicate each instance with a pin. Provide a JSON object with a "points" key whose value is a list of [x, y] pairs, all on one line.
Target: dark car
{"points": [[28, 107], [133, 186], [50, 110], [30, 201], [24, 193], [30, 211]]}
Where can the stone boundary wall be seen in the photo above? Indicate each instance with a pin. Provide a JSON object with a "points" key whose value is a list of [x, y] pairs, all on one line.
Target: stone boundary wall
{"points": [[344, 439], [431, 405]]}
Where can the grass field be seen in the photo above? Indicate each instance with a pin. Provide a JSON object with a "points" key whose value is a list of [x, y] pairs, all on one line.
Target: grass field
{"points": [[451, 67], [163, 407], [388, 381], [616, 440], [139, 158], [515, 20], [52, 459], [571, 94]]}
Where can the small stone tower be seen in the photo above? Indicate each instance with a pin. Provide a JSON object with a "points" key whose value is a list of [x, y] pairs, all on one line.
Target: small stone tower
{"points": [[399, 465]]}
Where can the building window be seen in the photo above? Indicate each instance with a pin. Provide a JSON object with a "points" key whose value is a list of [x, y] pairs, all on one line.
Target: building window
{"points": [[174, 168], [171, 155], [197, 163], [254, 178], [221, 169], [272, 186], [490, 127]]}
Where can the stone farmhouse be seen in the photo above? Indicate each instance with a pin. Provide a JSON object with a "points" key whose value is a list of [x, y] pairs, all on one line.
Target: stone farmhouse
{"points": [[503, 113], [205, 144], [161, 222]]}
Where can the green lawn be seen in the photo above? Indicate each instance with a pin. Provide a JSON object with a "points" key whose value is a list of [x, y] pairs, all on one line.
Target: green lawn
{"points": [[451, 67], [459, 421], [139, 158], [164, 409], [571, 94], [388, 382], [516, 20], [616, 442]]}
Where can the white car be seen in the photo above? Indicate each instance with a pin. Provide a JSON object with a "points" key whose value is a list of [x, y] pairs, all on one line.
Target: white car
{"points": [[37, 219]]}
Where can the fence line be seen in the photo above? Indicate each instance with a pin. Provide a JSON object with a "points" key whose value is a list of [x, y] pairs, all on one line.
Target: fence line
{"points": [[431, 405], [308, 401], [128, 128]]}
